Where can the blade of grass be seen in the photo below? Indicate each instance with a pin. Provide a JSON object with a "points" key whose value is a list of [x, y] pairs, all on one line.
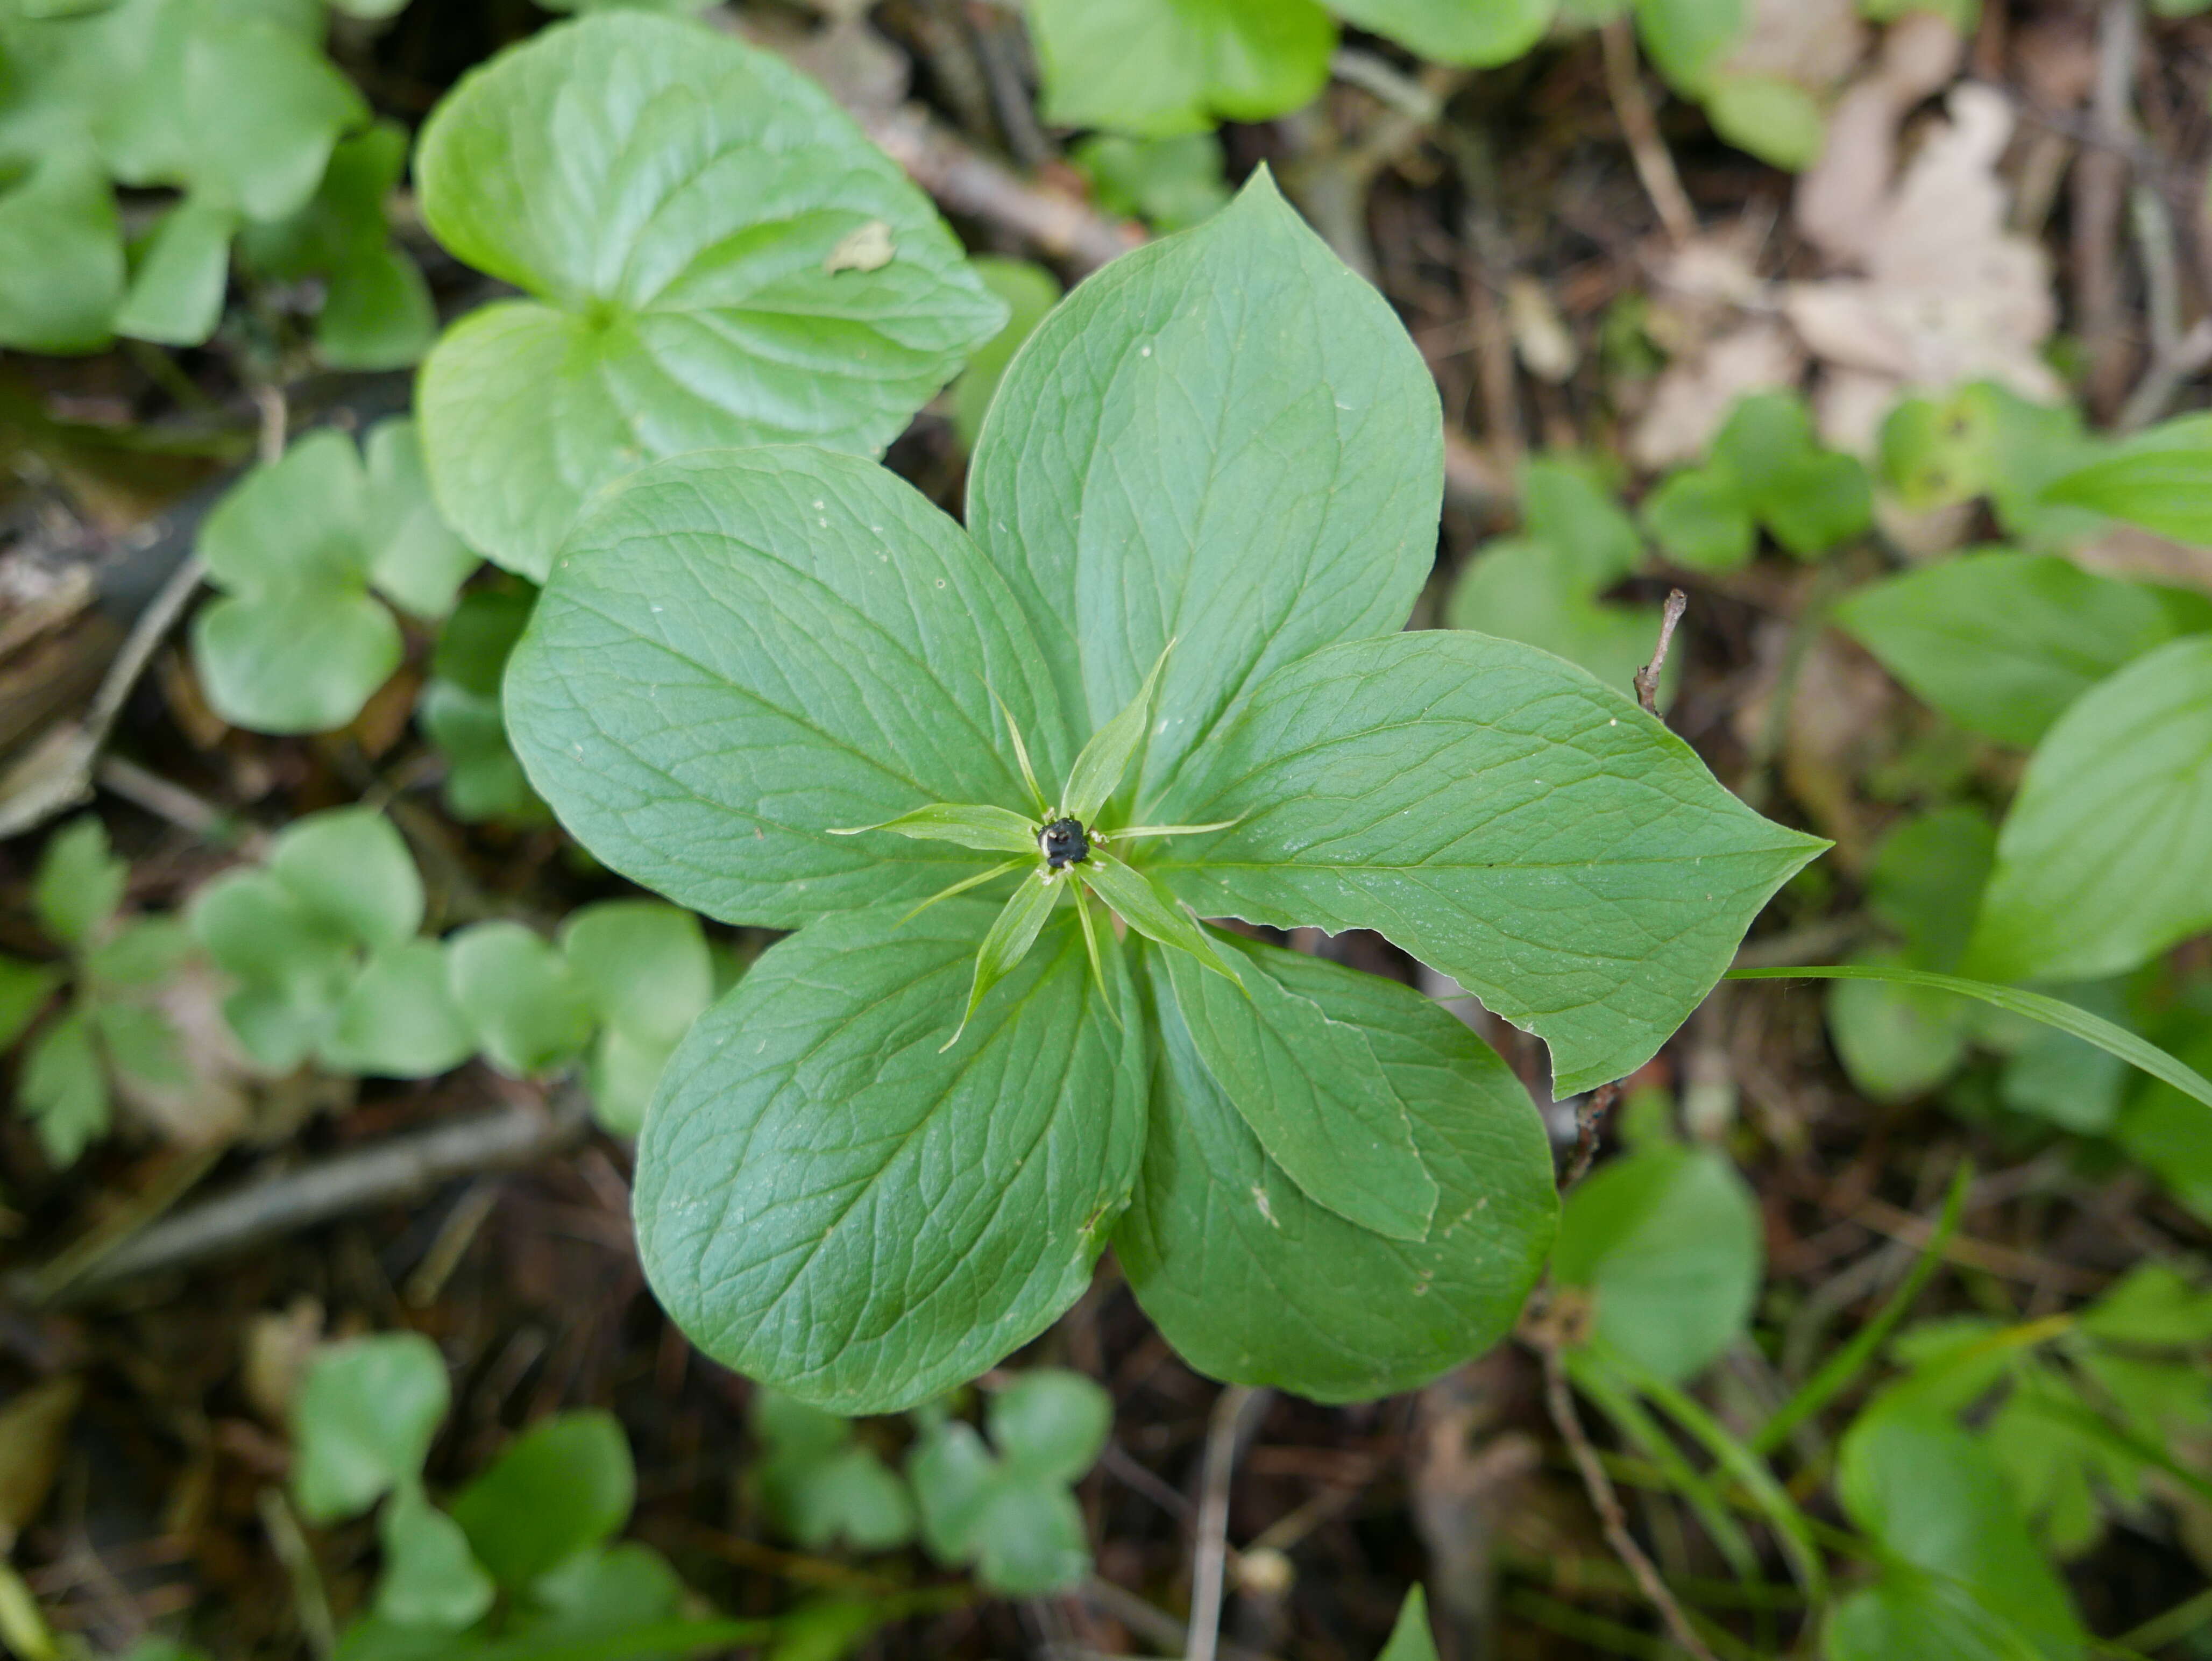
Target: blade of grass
{"points": [[2051, 1012], [1757, 1478], [1629, 1417], [1836, 1374]]}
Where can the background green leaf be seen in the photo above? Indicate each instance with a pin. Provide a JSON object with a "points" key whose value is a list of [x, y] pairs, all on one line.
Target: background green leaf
{"points": [[2003, 643], [1162, 67], [363, 1422], [1666, 1244], [558, 1489], [521, 994], [2105, 857]]}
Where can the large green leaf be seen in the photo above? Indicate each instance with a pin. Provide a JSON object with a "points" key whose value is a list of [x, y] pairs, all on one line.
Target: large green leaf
{"points": [[2105, 858], [1479, 32], [1225, 437], [2003, 643], [744, 651], [1499, 814], [1253, 1283], [1313, 1090], [1160, 67], [828, 1203], [680, 207]]}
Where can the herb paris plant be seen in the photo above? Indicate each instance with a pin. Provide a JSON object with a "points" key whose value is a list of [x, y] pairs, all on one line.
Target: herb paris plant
{"points": [[1321, 1180]]}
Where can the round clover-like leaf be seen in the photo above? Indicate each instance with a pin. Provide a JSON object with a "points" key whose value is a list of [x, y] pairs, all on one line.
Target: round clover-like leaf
{"points": [[1225, 438], [555, 1491], [1255, 1282], [828, 1202], [743, 651], [363, 1422], [297, 643], [351, 866], [521, 994], [1478, 32], [1160, 67], [680, 207], [1666, 1244], [400, 1019]]}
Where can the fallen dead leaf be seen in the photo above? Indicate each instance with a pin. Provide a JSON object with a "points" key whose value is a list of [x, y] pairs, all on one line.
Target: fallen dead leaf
{"points": [[34, 1432]]}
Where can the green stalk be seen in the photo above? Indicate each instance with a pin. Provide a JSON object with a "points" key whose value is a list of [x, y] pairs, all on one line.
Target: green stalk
{"points": [[1836, 1374]]}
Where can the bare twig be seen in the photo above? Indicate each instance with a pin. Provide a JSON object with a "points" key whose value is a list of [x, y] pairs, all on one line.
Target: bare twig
{"points": [[965, 182], [1589, 1119], [1560, 1399], [290, 1542], [381, 1175], [1647, 678], [1653, 166], [1237, 1410], [1152, 1624]]}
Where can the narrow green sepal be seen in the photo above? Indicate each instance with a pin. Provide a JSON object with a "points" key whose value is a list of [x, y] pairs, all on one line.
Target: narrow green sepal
{"points": [[1152, 914], [1098, 772], [992, 830], [1022, 755], [1131, 833], [1091, 947], [1009, 941], [961, 886]]}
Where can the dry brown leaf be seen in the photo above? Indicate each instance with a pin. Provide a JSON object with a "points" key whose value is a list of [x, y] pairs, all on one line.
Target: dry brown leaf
{"points": [[34, 1432], [1949, 294], [211, 1107], [1839, 198], [1815, 43], [278, 1350], [1693, 396]]}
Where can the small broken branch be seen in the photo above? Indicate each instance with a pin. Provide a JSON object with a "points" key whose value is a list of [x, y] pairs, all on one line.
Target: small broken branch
{"points": [[1647, 678], [1560, 1399], [1235, 1413], [1633, 109], [1589, 1119], [385, 1174], [964, 182]]}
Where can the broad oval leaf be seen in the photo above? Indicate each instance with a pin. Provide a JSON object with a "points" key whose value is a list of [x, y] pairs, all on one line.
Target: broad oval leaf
{"points": [[1255, 1283], [1667, 1245], [1227, 437], [1312, 1089], [529, 1011], [2003, 643], [1476, 32], [828, 1203], [1499, 814], [1161, 67], [2105, 858], [1962, 1580], [678, 204], [363, 1422], [560, 1488], [744, 650]]}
